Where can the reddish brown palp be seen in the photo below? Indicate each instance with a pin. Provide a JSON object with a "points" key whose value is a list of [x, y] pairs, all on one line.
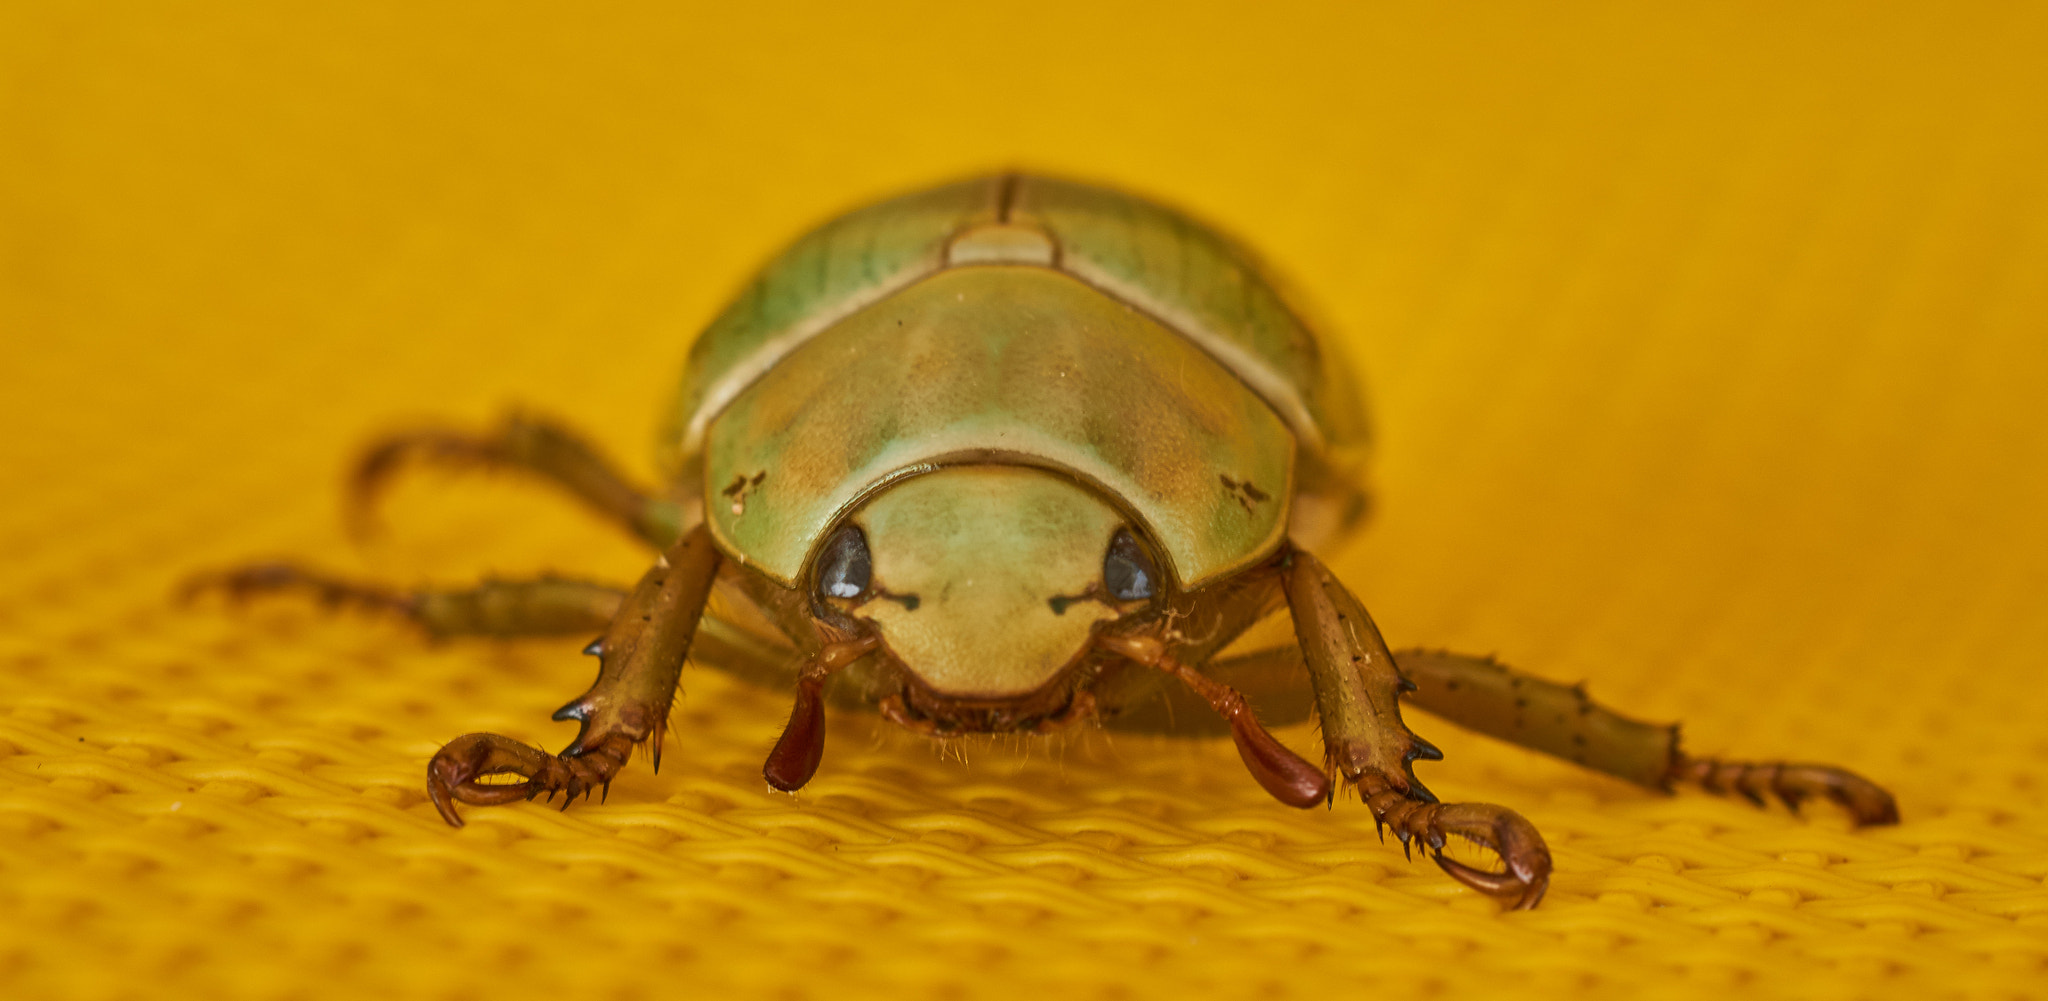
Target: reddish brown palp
{"points": [[802, 744], [1285, 774]]}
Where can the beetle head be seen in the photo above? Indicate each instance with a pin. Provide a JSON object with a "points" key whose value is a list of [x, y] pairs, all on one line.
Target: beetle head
{"points": [[985, 581]]}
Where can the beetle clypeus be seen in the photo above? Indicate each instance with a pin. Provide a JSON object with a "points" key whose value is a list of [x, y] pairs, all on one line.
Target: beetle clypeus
{"points": [[1005, 456]]}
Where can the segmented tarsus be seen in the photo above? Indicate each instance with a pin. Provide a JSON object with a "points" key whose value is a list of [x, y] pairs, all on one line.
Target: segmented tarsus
{"points": [[1791, 782], [1499, 829], [453, 773]]}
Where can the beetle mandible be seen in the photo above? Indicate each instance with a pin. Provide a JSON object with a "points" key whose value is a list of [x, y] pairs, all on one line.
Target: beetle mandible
{"points": [[1009, 455]]}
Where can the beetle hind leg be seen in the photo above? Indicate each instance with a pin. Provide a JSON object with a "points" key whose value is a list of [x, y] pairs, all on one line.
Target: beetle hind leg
{"points": [[520, 442]]}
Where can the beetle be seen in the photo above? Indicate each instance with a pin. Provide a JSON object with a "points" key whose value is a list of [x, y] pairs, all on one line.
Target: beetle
{"points": [[1010, 455]]}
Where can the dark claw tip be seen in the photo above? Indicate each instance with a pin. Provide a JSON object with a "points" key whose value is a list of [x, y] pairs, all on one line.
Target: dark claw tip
{"points": [[1422, 750]]}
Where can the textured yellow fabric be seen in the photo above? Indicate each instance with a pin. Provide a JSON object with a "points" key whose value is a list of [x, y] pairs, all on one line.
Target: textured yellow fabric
{"points": [[1708, 354]]}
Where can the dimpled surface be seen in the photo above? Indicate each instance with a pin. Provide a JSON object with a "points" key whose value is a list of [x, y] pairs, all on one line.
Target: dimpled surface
{"points": [[1706, 355]]}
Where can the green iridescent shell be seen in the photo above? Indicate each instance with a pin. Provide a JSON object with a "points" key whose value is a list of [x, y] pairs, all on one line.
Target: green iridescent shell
{"points": [[1021, 320]]}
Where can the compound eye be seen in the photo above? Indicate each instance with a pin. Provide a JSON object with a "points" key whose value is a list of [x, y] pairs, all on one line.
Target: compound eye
{"points": [[845, 566], [1128, 571]]}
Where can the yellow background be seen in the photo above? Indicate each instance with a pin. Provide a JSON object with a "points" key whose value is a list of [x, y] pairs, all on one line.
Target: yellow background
{"points": [[1708, 353]]}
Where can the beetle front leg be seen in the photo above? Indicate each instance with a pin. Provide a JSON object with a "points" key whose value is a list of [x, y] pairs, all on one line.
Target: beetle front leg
{"points": [[535, 446], [640, 660], [1357, 692], [1357, 688], [1497, 828]]}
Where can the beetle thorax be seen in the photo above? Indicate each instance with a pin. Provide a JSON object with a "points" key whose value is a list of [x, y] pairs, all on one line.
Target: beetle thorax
{"points": [[986, 580]]}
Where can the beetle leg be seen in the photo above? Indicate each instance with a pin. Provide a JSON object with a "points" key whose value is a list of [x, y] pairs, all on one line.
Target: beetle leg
{"points": [[640, 659], [453, 773], [550, 606], [525, 443], [802, 744], [1867, 803], [1357, 688], [1497, 828], [1561, 720], [1357, 693]]}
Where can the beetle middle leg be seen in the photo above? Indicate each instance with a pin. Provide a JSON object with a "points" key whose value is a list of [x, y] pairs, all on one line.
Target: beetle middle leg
{"points": [[549, 606], [1357, 692], [1560, 720], [640, 659], [525, 443]]}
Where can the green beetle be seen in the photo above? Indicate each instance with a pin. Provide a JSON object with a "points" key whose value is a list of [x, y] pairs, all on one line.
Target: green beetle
{"points": [[1005, 456]]}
